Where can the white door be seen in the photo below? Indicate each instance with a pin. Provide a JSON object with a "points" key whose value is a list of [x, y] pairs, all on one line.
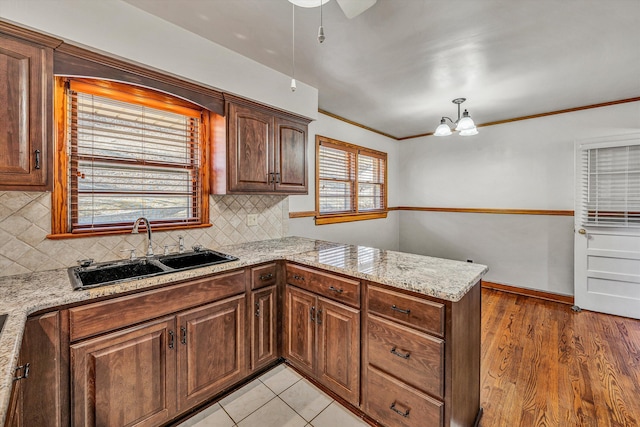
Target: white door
{"points": [[607, 225]]}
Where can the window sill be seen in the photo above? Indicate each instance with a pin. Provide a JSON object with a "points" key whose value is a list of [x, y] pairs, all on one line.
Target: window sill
{"points": [[121, 231], [338, 218]]}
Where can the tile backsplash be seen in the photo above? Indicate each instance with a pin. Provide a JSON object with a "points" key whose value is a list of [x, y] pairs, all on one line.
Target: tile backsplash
{"points": [[25, 221]]}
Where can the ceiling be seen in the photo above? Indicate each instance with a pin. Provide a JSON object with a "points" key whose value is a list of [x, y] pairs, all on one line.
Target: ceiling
{"points": [[396, 67]]}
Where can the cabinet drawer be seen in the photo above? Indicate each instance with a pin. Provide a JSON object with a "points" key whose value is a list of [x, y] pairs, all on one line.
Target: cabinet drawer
{"points": [[264, 275], [93, 319], [396, 404], [416, 312], [411, 356], [328, 285]]}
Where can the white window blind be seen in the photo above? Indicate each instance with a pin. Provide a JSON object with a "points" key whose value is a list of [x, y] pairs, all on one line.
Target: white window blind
{"points": [[351, 179], [611, 186], [129, 160], [370, 182], [336, 179]]}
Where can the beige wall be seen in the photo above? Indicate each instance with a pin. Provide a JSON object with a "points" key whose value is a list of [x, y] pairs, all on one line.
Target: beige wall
{"points": [[25, 221]]}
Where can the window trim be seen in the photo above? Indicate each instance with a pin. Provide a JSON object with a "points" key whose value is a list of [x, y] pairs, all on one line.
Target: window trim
{"points": [[60, 196], [334, 218]]}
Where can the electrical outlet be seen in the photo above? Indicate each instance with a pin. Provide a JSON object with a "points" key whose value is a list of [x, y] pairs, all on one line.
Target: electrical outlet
{"points": [[252, 220]]}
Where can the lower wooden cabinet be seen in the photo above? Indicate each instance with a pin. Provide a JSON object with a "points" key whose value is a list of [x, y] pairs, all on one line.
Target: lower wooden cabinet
{"points": [[264, 323], [147, 374], [396, 404], [126, 378], [37, 397], [211, 350], [322, 338]]}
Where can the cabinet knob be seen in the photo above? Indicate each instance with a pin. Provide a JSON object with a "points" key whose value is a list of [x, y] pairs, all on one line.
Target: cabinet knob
{"points": [[25, 371], [398, 411], [402, 355], [400, 310], [582, 231], [171, 339]]}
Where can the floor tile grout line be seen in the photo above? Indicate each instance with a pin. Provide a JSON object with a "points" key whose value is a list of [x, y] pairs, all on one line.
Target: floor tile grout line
{"points": [[299, 414], [239, 421]]}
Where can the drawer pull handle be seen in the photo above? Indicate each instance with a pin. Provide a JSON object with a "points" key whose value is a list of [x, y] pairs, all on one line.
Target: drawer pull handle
{"points": [[183, 340], [25, 371], [296, 277], [397, 353], [312, 314], [399, 412], [266, 276], [336, 290], [37, 153], [171, 339], [393, 307], [319, 317]]}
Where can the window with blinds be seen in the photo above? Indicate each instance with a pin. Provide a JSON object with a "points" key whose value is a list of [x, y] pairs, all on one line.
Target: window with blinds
{"points": [[611, 186], [350, 182], [131, 156]]}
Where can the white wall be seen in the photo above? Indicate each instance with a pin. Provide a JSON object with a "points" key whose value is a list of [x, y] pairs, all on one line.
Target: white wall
{"points": [[380, 233], [521, 165], [120, 29]]}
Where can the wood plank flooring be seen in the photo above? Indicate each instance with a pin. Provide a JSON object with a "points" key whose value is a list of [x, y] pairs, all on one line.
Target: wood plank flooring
{"points": [[545, 365]]}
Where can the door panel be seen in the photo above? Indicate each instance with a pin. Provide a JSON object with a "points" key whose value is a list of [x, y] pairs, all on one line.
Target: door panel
{"points": [[250, 149], [25, 107], [338, 349], [607, 256], [263, 328], [125, 378], [211, 350], [300, 328], [291, 156]]}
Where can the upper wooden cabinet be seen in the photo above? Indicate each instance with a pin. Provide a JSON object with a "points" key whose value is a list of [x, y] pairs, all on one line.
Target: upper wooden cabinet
{"points": [[266, 151], [26, 97]]}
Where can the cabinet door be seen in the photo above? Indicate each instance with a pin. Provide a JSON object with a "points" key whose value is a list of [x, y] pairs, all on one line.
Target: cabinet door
{"points": [[125, 378], [15, 409], [250, 150], [290, 157], [263, 327], [300, 312], [26, 74], [339, 349], [212, 349]]}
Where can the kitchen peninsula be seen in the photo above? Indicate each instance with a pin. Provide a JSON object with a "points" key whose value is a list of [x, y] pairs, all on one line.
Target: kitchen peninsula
{"points": [[408, 325]]}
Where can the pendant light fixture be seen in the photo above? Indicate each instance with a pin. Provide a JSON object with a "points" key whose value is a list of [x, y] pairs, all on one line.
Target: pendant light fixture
{"points": [[464, 124], [293, 48], [321, 36]]}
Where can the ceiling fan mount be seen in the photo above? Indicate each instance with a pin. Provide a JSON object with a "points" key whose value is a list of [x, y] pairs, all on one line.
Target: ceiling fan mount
{"points": [[350, 8]]}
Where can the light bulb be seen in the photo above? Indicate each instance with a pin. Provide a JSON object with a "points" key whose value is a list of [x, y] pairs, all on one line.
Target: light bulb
{"points": [[469, 132], [465, 122], [293, 85], [442, 129], [321, 36]]}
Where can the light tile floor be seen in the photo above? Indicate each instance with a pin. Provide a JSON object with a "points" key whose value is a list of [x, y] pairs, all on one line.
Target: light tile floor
{"points": [[279, 398]]}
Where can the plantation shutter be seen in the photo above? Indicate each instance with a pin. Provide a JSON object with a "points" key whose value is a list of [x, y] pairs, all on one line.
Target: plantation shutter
{"points": [[611, 186], [131, 158]]}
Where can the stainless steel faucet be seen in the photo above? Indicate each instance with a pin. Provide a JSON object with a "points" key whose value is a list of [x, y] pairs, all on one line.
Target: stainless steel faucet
{"points": [[148, 225]]}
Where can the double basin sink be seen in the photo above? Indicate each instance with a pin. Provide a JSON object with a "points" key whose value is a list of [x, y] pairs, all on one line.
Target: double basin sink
{"points": [[109, 273]]}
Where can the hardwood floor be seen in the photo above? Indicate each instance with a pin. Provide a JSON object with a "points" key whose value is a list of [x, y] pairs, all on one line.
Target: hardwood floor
{"points": [[545, 365]]}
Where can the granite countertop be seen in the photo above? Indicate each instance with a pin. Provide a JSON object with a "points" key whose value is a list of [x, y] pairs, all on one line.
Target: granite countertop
{"points": [[25, 294]]}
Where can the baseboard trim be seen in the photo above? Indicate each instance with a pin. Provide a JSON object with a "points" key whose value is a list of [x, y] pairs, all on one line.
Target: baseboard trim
{"points": [[549, 296]]}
